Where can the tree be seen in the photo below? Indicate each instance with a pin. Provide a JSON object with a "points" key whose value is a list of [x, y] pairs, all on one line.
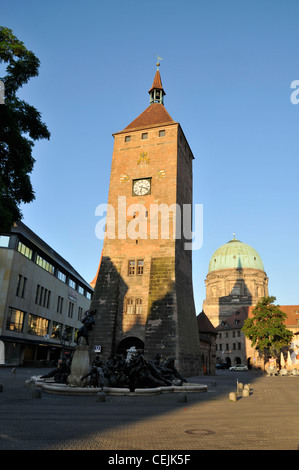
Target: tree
{"points": [[266, 328], [20, 127]]}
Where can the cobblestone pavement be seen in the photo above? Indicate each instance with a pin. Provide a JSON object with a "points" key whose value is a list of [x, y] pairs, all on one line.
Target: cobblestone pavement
{"points": [[266, 420]]}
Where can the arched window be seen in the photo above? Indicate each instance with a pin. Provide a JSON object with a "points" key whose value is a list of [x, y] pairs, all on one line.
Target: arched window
{"points": [[130, 306], [138, 309]]}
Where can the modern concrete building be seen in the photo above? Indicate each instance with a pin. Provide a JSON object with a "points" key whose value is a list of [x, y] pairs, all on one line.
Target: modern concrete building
{"points": [[42, 300]]}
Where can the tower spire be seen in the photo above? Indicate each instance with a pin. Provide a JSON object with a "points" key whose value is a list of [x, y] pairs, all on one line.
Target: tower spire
{"points": [[157, 92]]}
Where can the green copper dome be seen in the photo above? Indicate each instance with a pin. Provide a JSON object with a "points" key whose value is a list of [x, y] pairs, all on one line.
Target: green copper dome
{"points": [[235, 254]]}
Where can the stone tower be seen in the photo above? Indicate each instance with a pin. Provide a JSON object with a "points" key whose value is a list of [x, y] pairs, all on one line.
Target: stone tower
{"points": [[143, 291], [235, 279]]}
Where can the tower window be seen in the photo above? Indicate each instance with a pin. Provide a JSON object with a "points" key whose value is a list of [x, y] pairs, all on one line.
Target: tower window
{"points": [[162, 133], [130, 306], [140, 267], [127, 138], [131, 268], [144, 135], [138, 306]]}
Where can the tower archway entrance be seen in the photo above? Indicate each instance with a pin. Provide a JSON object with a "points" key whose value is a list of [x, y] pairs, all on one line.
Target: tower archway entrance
{"points": [[127, 343]]}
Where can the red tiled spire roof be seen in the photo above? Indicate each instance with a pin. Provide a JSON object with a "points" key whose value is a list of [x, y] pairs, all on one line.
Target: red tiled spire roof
{"points": [[157, 83], [154, 115]]}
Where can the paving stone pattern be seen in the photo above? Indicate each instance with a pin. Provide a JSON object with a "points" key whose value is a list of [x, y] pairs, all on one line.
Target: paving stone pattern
{"points": [[266, 420]]}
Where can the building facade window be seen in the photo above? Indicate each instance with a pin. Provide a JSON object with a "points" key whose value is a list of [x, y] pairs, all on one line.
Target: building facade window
{"points": [[68, 333], [44, 264], [81, 290], [140, 267], [24, 250], [21, 286], [4, 241], [42, 296], [127, 138], [131, 268], [138, 306], [135, 267], [130, 306], [15, 320], [80, 313], [37, 325], [59, 304], [162, 133], [72, 283], [56, 330], [71, 310], [61, 276]]}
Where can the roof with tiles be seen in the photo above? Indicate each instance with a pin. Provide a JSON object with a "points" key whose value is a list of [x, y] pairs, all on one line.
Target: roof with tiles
{"points": [[292, 312], [204, 325], [157, 83], [235, 320], [154, 115]]}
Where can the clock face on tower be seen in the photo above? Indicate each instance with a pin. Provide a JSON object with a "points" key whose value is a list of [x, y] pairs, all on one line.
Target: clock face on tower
{"points": [[142, 187]]}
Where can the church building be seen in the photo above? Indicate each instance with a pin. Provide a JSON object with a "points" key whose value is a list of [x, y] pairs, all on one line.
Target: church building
{"points": [[143, 289], [236, 278]]}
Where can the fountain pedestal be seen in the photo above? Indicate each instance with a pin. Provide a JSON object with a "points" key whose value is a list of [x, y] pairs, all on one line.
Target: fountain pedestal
{"points": [[80, 365]]}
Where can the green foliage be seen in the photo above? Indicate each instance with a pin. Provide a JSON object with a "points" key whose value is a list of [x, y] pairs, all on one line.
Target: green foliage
{"points": [[266, 328], [20, 127]]}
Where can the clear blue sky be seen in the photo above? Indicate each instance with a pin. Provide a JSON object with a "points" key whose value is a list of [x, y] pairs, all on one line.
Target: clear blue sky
{"points": [[227, 70]]}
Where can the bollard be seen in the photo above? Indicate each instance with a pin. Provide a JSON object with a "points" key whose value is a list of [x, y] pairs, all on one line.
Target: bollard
{"points": [[247, 387], [36, 393], [232, 396], [240, 386], [182, 398], [101, 396], [245, 393]]}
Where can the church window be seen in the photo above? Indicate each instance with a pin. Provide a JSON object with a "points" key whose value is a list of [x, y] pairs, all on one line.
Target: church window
{"points": [[144, 135], [127, 138], [140, 267], [162, 133], [138, 306], [131, 268]]}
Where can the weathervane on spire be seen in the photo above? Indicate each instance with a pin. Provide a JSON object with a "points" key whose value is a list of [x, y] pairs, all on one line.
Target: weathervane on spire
{"points": [[158, 62]]}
